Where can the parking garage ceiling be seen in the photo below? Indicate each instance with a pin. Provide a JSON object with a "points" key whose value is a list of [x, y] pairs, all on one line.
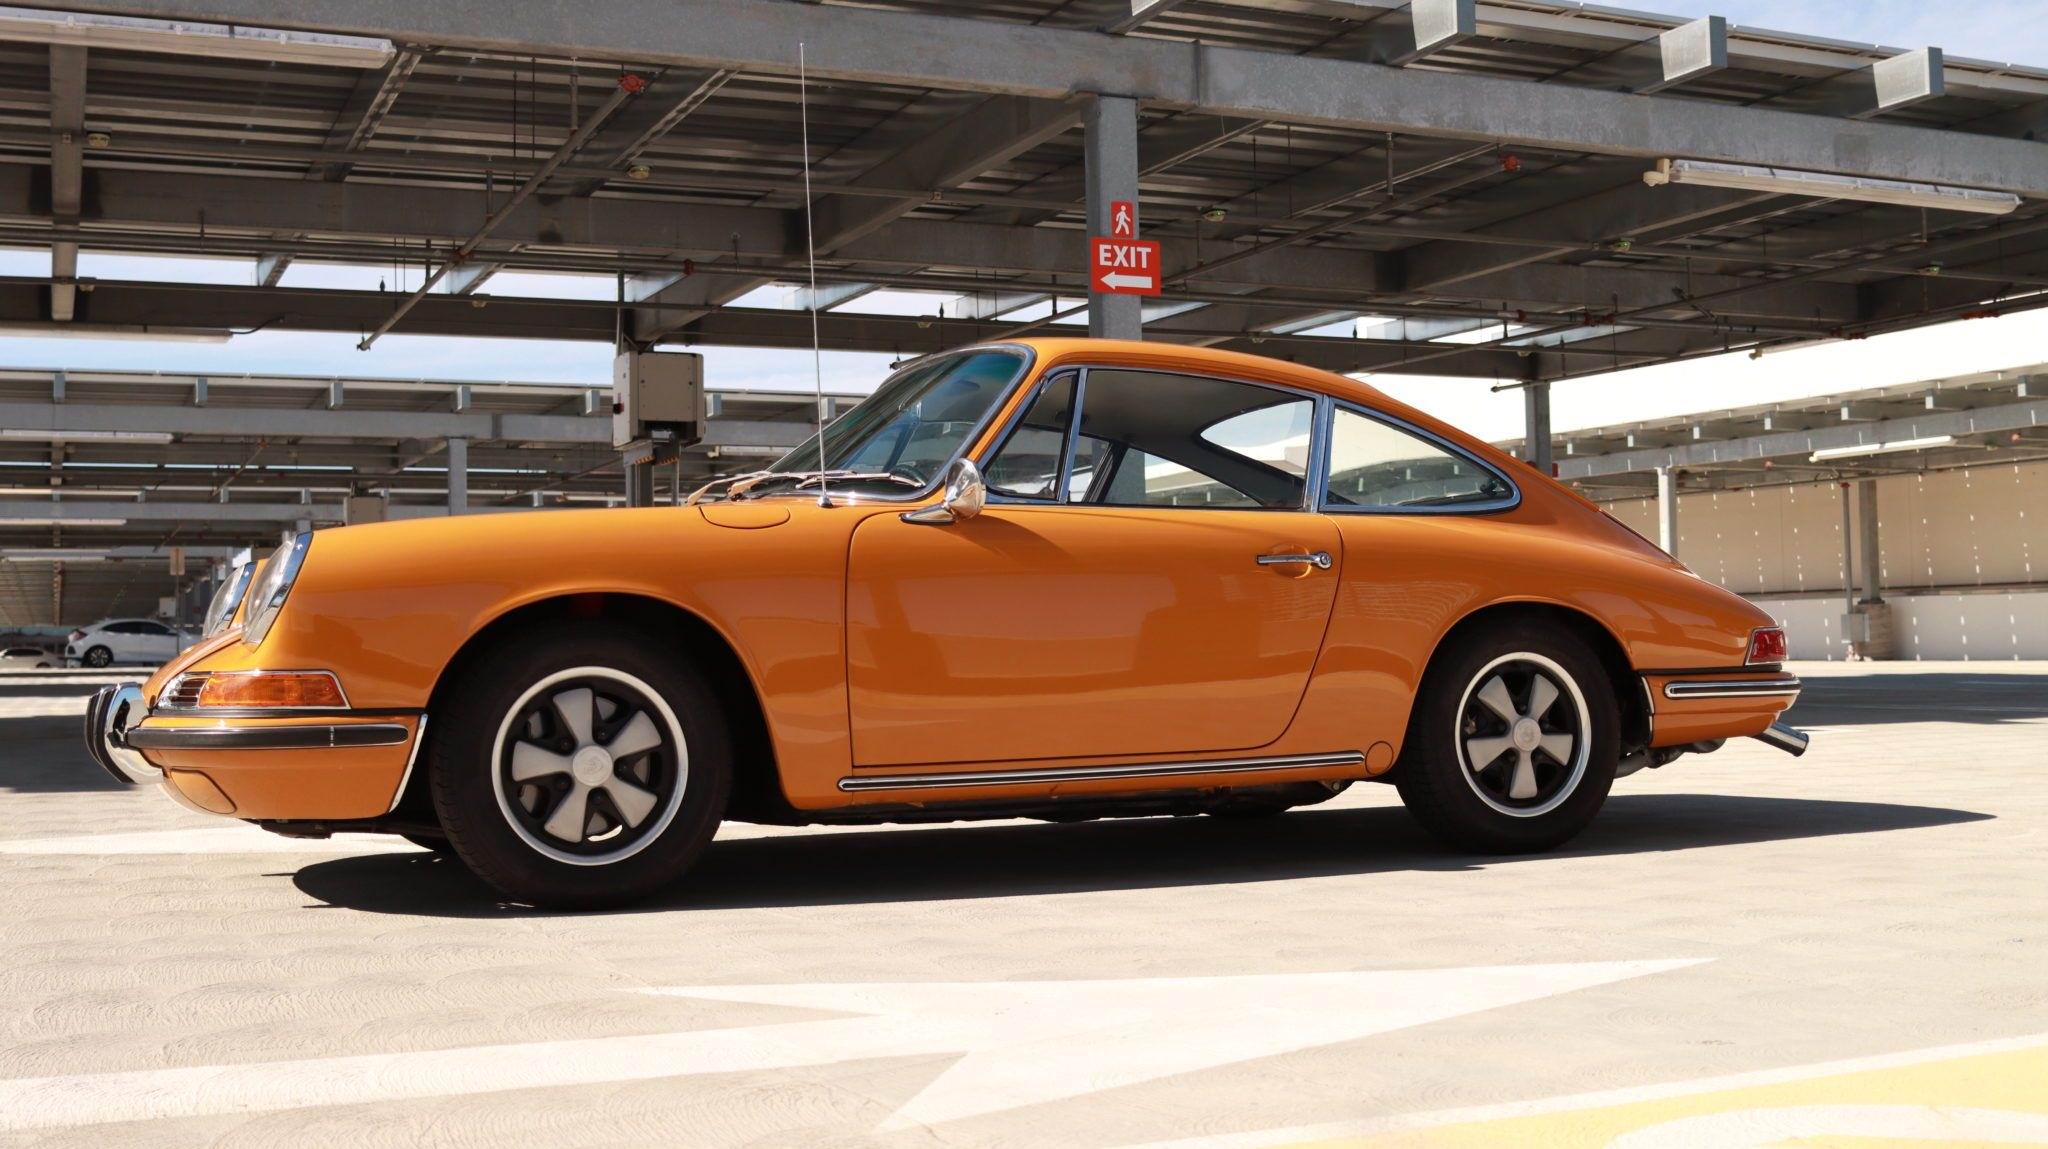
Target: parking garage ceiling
{"points": [[1302, 161]]}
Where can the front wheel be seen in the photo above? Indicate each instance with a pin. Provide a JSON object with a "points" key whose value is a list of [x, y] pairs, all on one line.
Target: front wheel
{"points": [[1513, 742], [578, 769]]}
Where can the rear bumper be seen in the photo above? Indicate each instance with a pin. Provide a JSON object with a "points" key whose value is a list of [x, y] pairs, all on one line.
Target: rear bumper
{"points": [[329, 768], [1704, 706]]}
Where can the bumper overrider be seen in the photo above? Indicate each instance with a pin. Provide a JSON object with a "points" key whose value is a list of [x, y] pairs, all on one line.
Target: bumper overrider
{"points": [[108, 716]]}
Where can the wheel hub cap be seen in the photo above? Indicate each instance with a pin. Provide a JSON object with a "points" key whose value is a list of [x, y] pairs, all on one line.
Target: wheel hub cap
{"points": [[1527, 735], [592, 766]]}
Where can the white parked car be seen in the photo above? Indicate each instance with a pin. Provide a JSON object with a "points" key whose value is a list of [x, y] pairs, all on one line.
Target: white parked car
{"points": [[113, 640], [29, 657]]}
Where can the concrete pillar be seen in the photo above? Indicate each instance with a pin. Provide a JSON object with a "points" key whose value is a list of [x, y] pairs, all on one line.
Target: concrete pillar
{"points": [[640, 484], [1667, 510], [458, 476], [1111, 124], [1536, 425], [1866, 540]]}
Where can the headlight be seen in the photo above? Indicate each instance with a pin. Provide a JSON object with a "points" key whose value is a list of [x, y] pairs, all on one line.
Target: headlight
{"points": [[229, 596], [267, 592]]}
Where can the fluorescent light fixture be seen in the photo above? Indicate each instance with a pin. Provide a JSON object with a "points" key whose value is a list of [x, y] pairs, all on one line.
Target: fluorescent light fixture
{"points": [[141, 332], [42, 436], [1862, 449], [230, 41], [52, 556], [1824, 185]]}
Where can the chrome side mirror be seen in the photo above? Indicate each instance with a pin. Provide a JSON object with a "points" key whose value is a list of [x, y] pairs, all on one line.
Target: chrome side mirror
{"points": [[964, 497]]}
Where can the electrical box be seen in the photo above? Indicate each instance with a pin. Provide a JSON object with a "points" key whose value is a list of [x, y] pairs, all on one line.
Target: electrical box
{"points": [[657, 396]]}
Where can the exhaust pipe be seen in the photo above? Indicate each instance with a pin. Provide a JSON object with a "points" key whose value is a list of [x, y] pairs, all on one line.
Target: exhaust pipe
{"points": [[1785, 738]]}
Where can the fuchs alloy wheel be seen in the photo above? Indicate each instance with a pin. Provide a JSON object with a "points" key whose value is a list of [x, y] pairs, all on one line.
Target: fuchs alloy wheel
{"points": [[1513, 741], [579, 767], [591, 765], [1521, 734], [99, 656]]}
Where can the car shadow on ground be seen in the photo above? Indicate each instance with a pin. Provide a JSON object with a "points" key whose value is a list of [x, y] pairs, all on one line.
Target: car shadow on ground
{"points": [[45, 754], [955, 862]]}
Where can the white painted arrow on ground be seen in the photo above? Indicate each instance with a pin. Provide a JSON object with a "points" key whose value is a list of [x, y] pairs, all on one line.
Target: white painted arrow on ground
{"points": [[1017, 1043]]}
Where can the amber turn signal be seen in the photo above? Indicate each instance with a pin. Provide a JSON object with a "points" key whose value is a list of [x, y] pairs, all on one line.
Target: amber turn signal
{"points": [[272, 688]]}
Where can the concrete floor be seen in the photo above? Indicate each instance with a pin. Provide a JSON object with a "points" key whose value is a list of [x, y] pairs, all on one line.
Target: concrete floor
{"points": [[1834, 939]]}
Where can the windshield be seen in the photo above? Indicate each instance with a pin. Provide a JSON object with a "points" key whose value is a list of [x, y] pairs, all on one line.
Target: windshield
{"points": [[901, 437]]}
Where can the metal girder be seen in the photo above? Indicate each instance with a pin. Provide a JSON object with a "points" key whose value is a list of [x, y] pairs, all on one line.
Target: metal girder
{"points": [[1143, 12], [90, 510], [1783, 444], [643, 126], [942, 52], [1629, 211], [391, 426], [992, 133], [67, 169], [711, 234]]}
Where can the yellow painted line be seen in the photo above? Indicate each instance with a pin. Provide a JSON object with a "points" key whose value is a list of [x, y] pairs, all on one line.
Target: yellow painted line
{"points": [[1991, 1093], [1987, 1099]]}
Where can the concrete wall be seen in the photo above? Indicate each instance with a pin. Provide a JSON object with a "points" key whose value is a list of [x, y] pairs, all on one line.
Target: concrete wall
{"points": [[1964, 557]]}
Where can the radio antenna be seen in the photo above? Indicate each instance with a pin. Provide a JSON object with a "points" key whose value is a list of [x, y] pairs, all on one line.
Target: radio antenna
{"points": [[803, 99]]}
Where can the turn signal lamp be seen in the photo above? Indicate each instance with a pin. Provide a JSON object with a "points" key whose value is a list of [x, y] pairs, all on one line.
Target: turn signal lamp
{"points": [[256, 690], [1766, 644]]}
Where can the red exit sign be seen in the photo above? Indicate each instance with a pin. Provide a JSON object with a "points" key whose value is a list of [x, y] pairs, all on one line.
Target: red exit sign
{"points": [[1123, 266]]}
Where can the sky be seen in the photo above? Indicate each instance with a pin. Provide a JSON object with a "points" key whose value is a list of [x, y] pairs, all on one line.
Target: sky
{"points": [[2000, 30]]}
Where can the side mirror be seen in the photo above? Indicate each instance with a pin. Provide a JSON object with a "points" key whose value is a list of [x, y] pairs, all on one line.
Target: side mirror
{"points": [[964, 497]]}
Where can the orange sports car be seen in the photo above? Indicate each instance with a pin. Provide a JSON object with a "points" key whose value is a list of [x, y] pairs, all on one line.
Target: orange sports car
{"points": [[1056, 578]]}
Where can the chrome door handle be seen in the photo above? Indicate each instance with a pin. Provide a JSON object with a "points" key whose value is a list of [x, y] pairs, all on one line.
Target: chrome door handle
{"points": [[1319, 560]]}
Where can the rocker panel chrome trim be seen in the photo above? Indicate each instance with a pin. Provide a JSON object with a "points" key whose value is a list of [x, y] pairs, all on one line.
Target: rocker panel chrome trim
{"points": [[952, 779]]}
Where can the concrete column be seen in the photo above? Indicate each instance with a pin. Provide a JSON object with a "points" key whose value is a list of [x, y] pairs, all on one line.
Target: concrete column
{"points": [[1866, 540], [1536, 425], [1111, 124], [639, 484], [458, 476], [1667, 510]]}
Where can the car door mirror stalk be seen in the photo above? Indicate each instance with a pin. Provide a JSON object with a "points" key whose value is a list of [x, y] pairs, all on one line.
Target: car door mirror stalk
{"points": [[965, 493]]}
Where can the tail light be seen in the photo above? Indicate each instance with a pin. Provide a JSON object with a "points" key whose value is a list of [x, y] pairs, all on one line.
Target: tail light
{"points": [[74, 636], [1766, 644]]}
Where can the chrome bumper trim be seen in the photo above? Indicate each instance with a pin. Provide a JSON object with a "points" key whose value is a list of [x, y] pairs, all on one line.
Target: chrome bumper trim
{"points": [[1733, 688], [956, 778], [269, 737], [107, 716]]}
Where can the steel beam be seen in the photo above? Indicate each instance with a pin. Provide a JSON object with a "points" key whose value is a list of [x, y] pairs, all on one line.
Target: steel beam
{"points": [[1784, 444], [67, 170], [943, 52]]}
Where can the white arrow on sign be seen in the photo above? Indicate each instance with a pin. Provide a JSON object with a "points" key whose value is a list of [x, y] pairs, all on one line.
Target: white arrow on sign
{"points": [[1117, 280], [1015, 1043]]}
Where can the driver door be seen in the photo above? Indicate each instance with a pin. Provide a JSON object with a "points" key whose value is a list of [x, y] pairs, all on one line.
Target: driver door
{"points": [[1143, 582]]}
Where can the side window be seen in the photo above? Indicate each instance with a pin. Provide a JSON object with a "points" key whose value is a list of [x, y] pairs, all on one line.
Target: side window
{"points": [[1167, 440], [1376, 465], [120, 628], [155, 629], [1027, 466]]}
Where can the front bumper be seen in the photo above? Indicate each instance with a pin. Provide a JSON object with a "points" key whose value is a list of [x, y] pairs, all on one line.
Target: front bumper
{"points": [[108, 717], [347, 765]]}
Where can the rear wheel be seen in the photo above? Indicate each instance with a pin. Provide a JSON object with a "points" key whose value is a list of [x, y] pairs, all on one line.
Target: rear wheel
{"points": [[579, 770], [99, 656], [1513, 742]]}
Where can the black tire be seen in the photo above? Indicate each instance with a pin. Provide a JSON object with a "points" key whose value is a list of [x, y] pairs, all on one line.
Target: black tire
{"points": [[1479, 809], [504, 828], [98, 656]]}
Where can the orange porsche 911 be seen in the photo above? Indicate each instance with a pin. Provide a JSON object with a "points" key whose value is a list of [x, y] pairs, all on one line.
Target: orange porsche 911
{"points": [[1050, 579]]}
